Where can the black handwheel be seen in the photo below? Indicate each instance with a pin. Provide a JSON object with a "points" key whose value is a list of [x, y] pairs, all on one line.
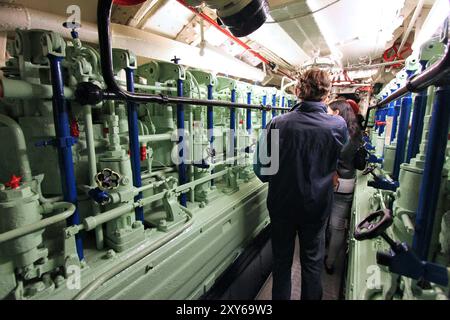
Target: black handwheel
{"points": [[374, 225]]}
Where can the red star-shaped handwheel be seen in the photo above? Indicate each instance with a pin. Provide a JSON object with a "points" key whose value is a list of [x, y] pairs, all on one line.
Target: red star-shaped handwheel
{"points": [[14, 182]]}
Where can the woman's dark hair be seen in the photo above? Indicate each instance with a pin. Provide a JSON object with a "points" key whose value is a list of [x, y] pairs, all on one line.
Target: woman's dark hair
{"points": [[346, 112], [314, 85]]}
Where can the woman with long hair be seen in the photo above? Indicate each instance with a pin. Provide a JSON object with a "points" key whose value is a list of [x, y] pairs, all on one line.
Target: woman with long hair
{"points": [[344, 182]]}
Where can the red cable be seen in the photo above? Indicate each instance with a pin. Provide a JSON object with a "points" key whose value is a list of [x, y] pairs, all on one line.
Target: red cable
{"points": [[224, 31]]}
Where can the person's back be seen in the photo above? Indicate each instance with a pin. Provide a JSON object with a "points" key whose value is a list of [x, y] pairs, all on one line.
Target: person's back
{"points": [[301, 190], [310, 143]]}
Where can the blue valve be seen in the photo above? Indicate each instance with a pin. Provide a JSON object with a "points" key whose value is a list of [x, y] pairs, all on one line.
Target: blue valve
{"points": [[99, 196]]}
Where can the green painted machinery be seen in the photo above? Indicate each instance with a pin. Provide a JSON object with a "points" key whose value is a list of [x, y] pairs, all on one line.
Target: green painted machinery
{"points": [[176, 252], [366, 279]]}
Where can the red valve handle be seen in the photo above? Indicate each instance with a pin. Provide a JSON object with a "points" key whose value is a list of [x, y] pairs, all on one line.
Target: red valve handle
{"points": [[14, 182]]}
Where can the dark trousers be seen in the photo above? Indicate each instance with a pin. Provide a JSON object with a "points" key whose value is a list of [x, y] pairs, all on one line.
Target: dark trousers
{"points": [[312, 248]]}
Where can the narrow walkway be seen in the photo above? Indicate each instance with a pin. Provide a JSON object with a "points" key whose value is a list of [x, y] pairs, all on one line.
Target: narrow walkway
{"points": [[331, 283]]}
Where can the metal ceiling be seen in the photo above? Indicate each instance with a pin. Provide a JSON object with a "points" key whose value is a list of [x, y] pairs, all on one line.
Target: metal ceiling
{"points": [[288, 43]]}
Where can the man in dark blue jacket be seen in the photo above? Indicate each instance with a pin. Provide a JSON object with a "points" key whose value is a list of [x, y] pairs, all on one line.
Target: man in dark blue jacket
{"points": [[300, 174]]}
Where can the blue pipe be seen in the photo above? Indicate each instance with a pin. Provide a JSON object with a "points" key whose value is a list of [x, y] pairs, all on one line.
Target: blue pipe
{"points": [[274, 104], [249, 113], [133, 133], [264, 113], [405, 114], [210, 124], [180, 125], [210, 116], [432, 173], [233, 121], [415, 137], [64, 142]]}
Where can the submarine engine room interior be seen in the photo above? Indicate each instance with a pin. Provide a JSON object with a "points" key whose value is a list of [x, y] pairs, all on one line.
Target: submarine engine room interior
{"points": [[128, 133]]}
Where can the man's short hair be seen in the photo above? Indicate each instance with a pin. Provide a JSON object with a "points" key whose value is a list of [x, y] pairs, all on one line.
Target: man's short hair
{"points": [[314, 85]]}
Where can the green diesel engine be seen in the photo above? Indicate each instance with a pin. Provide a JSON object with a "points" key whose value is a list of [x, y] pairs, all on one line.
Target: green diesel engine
{"points": [[78, 220], [404, 194]]}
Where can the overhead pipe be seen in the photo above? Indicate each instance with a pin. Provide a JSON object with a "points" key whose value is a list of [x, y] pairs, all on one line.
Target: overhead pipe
{"points": [[64, 142], [432, 173], [224, 31], [245, 46], [90, 93], [375, 65], [434, 75], [416, 14], [127, 38]]}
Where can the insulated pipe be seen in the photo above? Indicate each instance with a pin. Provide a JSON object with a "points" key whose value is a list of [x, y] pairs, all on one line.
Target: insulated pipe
{"points": [[69, 210], [133, 133], [88, 92], [249, 113], [91, 287], [432, 173], [155, 137], [264, 114], [24, 90], [405, 114], [90, 143], [20, 145], [125, 37], [411, 24], [64, 143], [181, 144], [92, 222]]}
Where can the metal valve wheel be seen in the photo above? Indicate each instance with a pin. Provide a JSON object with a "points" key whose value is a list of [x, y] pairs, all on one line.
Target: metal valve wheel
{"points": [[374, 225]]}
